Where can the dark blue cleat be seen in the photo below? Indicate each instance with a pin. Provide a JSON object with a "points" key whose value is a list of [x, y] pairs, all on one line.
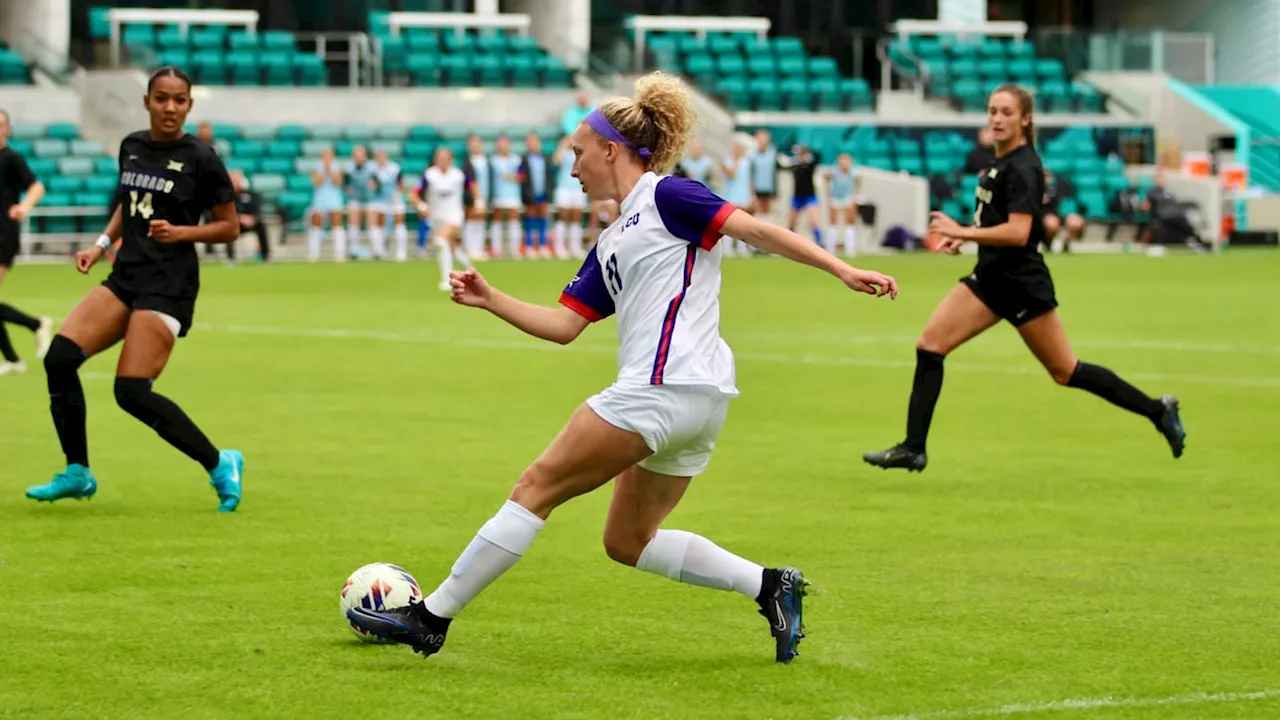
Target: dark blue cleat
{"points": [[412, 625], [1170, 425], [782, 608]]}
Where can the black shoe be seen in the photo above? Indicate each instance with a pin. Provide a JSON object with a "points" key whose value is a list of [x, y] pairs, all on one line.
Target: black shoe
{"points": [[412, 625], [898, 456], [782, 608], [1170, 425]]}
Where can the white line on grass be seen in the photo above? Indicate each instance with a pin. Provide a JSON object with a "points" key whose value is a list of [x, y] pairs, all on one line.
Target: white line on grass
{"points": [[1035, 708], [539, 345]]}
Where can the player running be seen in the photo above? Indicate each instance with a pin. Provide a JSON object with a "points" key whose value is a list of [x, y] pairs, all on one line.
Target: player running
{"points": [[1011, 282], [439, 198], [653, 429], [803, 164], [168, 179], [20, 191]]}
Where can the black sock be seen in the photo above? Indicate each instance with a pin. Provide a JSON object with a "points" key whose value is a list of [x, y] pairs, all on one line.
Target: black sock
{"points": [[10, 314], [159, 413], [434, 622], [924, 396], [6, 347], [768, 583], [66, 398], [1110, 387]]}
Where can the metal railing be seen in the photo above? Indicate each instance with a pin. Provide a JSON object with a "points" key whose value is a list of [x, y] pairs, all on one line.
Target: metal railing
{"points": [[1189, 57], [364, 64], [31, 239]]}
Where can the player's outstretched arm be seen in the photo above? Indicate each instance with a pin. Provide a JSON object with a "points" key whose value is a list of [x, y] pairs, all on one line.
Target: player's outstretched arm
{"points": [[559, 325], [780, 241]]}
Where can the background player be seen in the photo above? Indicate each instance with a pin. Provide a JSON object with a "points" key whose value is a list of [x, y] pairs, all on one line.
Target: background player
{"points": [[15, 180], [537, 174], [803, 164], [697, 164], [842, 191], [1010, 282], [326, 204], [168, 179], [476, 166], [570, 202], [1053, 221], [439, 198], [737, 190], [505, 167], [764, 174], [361, 185], [655, 428], [388, 203]]}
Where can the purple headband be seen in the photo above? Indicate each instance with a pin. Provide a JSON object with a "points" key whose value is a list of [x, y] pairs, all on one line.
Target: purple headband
{"points": [[601, 124]]}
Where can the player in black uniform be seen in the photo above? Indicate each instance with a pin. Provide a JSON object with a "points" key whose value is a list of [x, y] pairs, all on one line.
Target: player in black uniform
{"points": [[803, 163], [168, 178], [1054, 193], [1010, 282], [16, 179]]}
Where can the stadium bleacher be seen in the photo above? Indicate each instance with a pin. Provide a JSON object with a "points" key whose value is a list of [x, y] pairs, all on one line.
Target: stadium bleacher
{"points": [[77, 173], [14, 70]]}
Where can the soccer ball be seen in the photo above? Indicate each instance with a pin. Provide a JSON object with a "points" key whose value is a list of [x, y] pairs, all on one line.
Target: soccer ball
{"points": [[377, 586]]}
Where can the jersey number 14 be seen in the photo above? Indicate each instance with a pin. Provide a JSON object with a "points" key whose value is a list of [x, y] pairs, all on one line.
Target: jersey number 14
{"points": [[140, 207]]}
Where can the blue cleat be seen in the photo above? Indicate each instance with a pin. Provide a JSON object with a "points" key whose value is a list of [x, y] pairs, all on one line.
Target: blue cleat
{"points": [[1170, 425], [412, 625], [74, 482], [226, 478], [782, 608]]}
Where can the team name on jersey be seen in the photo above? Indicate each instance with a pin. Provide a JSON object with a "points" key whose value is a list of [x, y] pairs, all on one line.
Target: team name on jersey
{"points": [[146, 181]]}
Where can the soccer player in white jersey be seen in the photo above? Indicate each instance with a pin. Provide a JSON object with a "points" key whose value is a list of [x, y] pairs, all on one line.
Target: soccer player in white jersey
{"points": [[438, 198], [658, 269]]}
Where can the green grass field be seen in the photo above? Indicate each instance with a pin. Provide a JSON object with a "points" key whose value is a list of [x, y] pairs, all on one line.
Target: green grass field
{"points": [[1053, 561]]}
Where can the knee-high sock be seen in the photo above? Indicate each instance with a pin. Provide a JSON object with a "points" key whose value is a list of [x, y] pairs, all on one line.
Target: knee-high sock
{"points": [[561, 242], [315, 236], [695, 560], [402, 242], [494, 550], [66, 398], [924, 397], [135, 396], [514, 240], [1110, 387], [575, 240], [851, 240], [378, 239], [495, 238], [444, 257], [353, 235], [339, 243]]}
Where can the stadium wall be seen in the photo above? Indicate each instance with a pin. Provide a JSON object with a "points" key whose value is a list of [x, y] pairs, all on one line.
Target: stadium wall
{"points": [[562, 26], [39, 29], [41, 105]]}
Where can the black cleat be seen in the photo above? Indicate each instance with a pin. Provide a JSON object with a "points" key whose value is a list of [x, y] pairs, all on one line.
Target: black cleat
{"points": [[782, 608], [1170, 425], [898, 456], [412, 625]]}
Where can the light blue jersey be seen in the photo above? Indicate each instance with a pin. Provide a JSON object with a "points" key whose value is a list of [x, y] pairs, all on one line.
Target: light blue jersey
{"points": [[477, 170], [327, 196], [564, 171], [506, 190], [361, 180], [737, 189], [764, 170], [843, 184], [388, 177], [697, 169]]}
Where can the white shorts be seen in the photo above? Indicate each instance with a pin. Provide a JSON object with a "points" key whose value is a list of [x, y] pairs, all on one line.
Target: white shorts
{"points": [[437, 220], [841, 204], [679, 423], [505, 204], [571, 198], [394, 207]]}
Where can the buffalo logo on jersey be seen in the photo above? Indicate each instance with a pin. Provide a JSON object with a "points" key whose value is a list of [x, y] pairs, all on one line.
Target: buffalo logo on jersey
{"points": [[146, 181]]}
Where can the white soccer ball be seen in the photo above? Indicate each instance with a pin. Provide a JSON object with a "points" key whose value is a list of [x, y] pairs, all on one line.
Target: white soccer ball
{"points": [[377, 586]]}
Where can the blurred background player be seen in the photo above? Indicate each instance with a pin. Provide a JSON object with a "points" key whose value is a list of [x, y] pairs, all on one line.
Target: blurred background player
{"points": [[764, 174], [537, 174], [697, 164], [439, 198], [476, 167], [326, 204], [1054, 192], [506, 199], [388, 204], [249, 210], [204, 131], [361, 186], [570, 202], [803, 164], [983, 155], [842, 205], [15, 180], [736, 170]]}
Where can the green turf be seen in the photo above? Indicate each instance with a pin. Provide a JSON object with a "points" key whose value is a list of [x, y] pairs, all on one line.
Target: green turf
{"points": [[1052, 551]]}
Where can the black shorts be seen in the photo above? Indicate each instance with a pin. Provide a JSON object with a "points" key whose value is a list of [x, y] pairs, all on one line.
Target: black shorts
{"points": [[763, 195], [181, 309], [1018, 296], [9, 247]]}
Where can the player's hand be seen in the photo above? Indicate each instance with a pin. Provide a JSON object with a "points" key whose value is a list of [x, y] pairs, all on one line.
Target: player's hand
{"points": [[470, 288], [163, 232], [950, 245], [17, 212], [86, 259], [944, 225], [870, 282]]}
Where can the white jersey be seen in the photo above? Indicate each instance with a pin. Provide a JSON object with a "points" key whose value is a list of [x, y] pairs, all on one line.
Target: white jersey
{"points": [[658, 268], [442, 191]]}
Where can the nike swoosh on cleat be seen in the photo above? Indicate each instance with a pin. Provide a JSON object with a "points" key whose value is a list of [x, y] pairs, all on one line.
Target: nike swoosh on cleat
{"points": [[781, 624]]}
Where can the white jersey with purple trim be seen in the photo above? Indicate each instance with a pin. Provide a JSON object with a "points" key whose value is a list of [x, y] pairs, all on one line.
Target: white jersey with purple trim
{"points": [[658, 268], [442, 190]]}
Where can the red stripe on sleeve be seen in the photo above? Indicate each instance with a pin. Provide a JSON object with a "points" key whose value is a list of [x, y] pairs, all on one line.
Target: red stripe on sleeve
{"points": [[579, 307], [712, 234]]}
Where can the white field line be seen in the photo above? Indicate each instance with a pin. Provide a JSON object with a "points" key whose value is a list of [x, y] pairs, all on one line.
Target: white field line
{"points": [[517, 343], [1082, 704]]}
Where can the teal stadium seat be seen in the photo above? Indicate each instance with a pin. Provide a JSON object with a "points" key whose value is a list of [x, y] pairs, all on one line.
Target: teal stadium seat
{"points": [[277, 166], [243, 40], [101, 183], [60, 184], [63, 131], [49, 148]]}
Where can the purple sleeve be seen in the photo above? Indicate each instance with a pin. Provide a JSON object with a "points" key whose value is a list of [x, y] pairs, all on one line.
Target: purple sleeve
{"points": [[586, 294], [690, 211], [422, 185]]}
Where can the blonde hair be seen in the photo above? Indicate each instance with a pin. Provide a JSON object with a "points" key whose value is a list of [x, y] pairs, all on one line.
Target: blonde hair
{"points": [[660, 117]]}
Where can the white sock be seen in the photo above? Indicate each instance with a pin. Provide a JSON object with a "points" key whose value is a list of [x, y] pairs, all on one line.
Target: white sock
{"points": [[495, 238], [473, 237], [850, 240], [463, 257], [561, 243], [339, 243], [515, 237], [493, 551], [353, 236], [315, 236], [402, 242], [378, 237], [444, 256], [575, 240], [695, 560]]}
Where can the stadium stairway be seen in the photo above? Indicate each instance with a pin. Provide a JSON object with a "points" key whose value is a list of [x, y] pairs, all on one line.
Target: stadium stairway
{"points": [[1258, 107]]}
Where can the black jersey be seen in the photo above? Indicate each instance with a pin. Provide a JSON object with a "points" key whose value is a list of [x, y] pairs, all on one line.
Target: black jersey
{"points": [[15, 178], [802, 170], [174, 180], [1015, 184]]}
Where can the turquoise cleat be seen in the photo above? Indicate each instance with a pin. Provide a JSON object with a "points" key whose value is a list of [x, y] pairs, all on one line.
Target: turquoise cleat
{"points": [[225, 479], [74, 482]]}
